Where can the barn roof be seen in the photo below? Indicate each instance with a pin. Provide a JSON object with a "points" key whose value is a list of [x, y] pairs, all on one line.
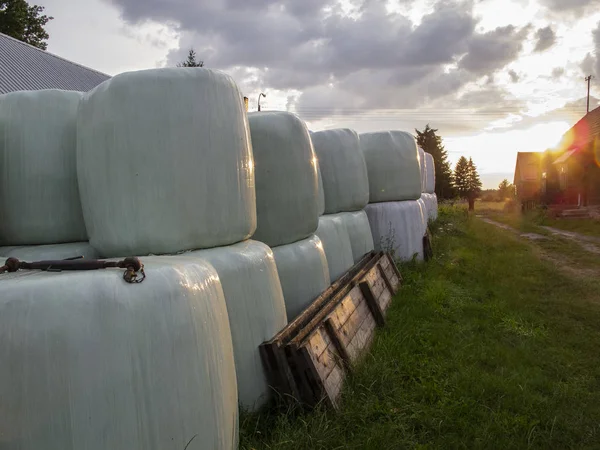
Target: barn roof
{"points": [[27, 68]]}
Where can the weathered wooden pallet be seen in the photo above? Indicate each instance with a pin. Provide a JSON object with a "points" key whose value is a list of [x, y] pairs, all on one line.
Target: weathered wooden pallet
{"points": [[308, 359]]}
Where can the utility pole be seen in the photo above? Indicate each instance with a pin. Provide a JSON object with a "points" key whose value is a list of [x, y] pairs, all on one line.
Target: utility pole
{"points": [[261, 95], [589, 80]]}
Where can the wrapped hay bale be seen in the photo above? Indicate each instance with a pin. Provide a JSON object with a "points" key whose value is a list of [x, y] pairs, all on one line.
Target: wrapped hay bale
{"points": [[429, 174], [256, 310], [336, 242], [39, 198], [303, 272], [397, 227], [422, 166], [95, 363], [164, 162], [392, 160], [424, 213], [50, 252], [287, 195], [321, 200], [432, 206], [343, 169], [359, 231]]}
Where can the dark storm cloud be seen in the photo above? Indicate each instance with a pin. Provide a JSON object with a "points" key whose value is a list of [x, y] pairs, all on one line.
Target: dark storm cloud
{"points": [[342, 64], [493, 50], [546, 38]]}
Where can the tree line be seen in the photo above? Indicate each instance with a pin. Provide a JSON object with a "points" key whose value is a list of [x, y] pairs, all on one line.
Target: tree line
{"points": [[463, 182]]}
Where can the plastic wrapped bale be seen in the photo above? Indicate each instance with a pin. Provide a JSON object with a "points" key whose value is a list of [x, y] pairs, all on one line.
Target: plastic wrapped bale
{"points": [[50, 252], [424, 214], [397, 227], [256, 310], [422, 166], [321, 198], [343, 169], [39, 198], [303, 272], [165, 163], [94, 363], [425, 200], [336, 242], [359, 231], [429, 174], [393, 167], [287, 195], [433, 206]]}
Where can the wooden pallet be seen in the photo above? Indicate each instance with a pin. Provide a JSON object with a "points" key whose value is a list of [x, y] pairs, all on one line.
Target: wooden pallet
{"points": [[309, 359]]}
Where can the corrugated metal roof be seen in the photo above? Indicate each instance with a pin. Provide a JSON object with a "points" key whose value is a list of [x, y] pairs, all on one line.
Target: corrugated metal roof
{"points": [[27, 68]]}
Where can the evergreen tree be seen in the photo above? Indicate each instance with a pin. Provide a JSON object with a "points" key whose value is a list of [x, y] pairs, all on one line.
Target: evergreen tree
{"points": [[505, 190], [429, 141], [191, 60], [466, 181], [461, 177], [24, 22]]}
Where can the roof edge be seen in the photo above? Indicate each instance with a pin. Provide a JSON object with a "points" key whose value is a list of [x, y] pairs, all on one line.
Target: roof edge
{"points": [[56, 56]]}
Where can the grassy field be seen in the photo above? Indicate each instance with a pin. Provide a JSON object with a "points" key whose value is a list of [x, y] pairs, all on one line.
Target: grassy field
{"points": [[532, 219], [487, 346]]}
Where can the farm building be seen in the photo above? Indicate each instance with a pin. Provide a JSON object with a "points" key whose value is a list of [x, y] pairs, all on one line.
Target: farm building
{"points": [[568, 175]]}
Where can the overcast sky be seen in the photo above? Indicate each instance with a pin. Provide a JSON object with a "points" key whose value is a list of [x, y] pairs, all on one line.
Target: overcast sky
{"points": [[494, 76]]}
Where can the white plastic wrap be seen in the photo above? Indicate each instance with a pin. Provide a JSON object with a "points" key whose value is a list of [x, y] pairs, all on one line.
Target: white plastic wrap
{"points": [[287, 195], [397, 227], [91, 362], [359, 231], [431, 204], [343, 169], [433, 213], [256, 310], [424, 213], [39, 198], [165, 163], [422, 166], [429, 174], [321, 200], [303, 272], [336, 242], [392, 161], [31, 253]]}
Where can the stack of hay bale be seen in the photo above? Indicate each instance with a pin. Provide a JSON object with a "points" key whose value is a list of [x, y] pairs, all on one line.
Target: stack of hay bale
{"points": [[428, 196], [287, 203], [40, 211], [395, 215], [344, 229], [147, 365]]}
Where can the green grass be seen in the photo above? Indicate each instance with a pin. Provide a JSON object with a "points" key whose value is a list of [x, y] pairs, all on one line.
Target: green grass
{"points": [[487, 346], [591, 227], [531, 220]]}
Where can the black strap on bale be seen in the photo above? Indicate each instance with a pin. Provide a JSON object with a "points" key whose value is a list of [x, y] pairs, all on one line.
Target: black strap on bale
{"points": [[132, 266]]}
